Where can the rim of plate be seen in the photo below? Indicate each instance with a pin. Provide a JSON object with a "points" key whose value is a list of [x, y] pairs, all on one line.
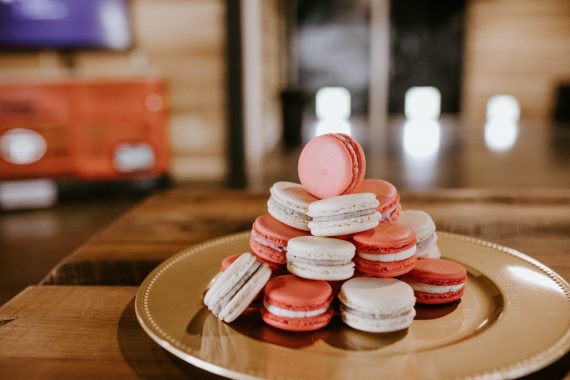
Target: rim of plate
{"points": [[517, 369]]}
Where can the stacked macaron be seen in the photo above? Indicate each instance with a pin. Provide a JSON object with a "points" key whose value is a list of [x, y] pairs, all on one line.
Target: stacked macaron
{"points": [[331, 227]]}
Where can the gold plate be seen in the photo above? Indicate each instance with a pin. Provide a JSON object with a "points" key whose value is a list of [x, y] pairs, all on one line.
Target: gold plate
{"points": [[514, 319]]}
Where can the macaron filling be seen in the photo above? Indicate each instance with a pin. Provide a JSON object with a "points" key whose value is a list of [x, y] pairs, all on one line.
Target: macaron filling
{"points": [[377, 315], [218, 307], [276, 204], [266, 243], [389, 257], [439, 289], [348, 215], [288, 313], [320, 262]]}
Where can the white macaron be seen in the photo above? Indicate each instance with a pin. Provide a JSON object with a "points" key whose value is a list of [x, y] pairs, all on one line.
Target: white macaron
{"points": [[320, 258], [289, 204], [426, 235], [377, 304], [343, 215], [235, 288]]}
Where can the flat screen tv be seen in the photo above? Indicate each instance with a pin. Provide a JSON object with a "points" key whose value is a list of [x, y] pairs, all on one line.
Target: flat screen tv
{"points": [[65, 24]]}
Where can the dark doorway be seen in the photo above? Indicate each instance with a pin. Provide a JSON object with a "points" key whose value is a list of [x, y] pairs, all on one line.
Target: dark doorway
{"points": [[426, 45]]}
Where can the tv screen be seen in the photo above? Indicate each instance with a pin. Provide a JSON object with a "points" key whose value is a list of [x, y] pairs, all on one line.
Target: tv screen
{"points": [[65, 24]]}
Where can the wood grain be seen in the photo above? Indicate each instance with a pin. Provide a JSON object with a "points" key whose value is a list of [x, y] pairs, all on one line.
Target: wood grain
{"points": [[517, 47], [81, 332], [534, 222]]}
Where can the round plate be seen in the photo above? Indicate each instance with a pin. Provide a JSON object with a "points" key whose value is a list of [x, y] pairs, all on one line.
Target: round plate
{"points": [[514, 318]]}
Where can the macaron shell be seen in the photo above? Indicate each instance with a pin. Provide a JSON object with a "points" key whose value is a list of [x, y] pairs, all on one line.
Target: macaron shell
{"points": [[267, 253], [274, 231], [297, 324], [226, 262], [377, 295], [324, 272], [386, 238], [292, 195], [438, 298], [419, 221], [437, 272], [327, 167], [239, 303], [385, 192], [322, 248], [385, 270], [293, 293], [345, 226], [276, 269]]}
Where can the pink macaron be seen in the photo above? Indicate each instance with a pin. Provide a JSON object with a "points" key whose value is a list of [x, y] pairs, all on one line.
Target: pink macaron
{"points": [[269, 239], [295, 304], [387, 195], [331, 165], [389, 250], [437, 281]]}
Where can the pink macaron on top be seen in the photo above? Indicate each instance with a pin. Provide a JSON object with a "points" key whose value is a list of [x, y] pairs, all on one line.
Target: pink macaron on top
{"points": [[386, 238], [435, 271], [273, 230], [331, 165], [385, 192], [298, 294]]}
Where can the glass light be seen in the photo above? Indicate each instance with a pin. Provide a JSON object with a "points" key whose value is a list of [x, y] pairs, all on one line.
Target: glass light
{"points": [[333, 103], [422, 103]]}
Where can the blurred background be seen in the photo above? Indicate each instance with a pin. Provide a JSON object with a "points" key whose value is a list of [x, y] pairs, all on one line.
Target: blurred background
{"points": [[103, 102]]}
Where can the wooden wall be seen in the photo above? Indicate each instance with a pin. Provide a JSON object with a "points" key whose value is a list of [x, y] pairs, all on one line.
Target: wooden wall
{"points": [[517, 47], [184, 42]]}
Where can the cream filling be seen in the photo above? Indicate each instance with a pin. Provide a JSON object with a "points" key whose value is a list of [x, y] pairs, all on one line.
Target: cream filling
{"points": [[386, 214], [275, 203], [293, 314], [348, 215], [389, 257], [266, 243], [435, 288]]}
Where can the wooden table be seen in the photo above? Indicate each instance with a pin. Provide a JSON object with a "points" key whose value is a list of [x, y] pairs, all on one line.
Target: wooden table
{"points": [[80, 321]]}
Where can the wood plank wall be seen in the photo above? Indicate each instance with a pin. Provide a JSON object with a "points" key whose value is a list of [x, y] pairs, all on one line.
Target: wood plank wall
{"points": [[184, 42], [517, 47]]}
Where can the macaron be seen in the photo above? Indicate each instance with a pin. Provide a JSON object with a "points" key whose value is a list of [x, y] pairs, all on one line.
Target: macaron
{"points": [[269, 238], [289, 203], [389, 250], [236, 287], [388, 196], [344, 214], [227, 261], [437, 281], [320, 258], [331, 165], [296, 304], [426, 236], [377, 304]]}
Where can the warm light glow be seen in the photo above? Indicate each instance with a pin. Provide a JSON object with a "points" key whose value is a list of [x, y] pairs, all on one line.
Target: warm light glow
{"points": [[422, 103], [333, 103], [504, 107], [134, 157], [35, 193], [21, 146], [501, 134], [332, 126], [421, 138]]}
